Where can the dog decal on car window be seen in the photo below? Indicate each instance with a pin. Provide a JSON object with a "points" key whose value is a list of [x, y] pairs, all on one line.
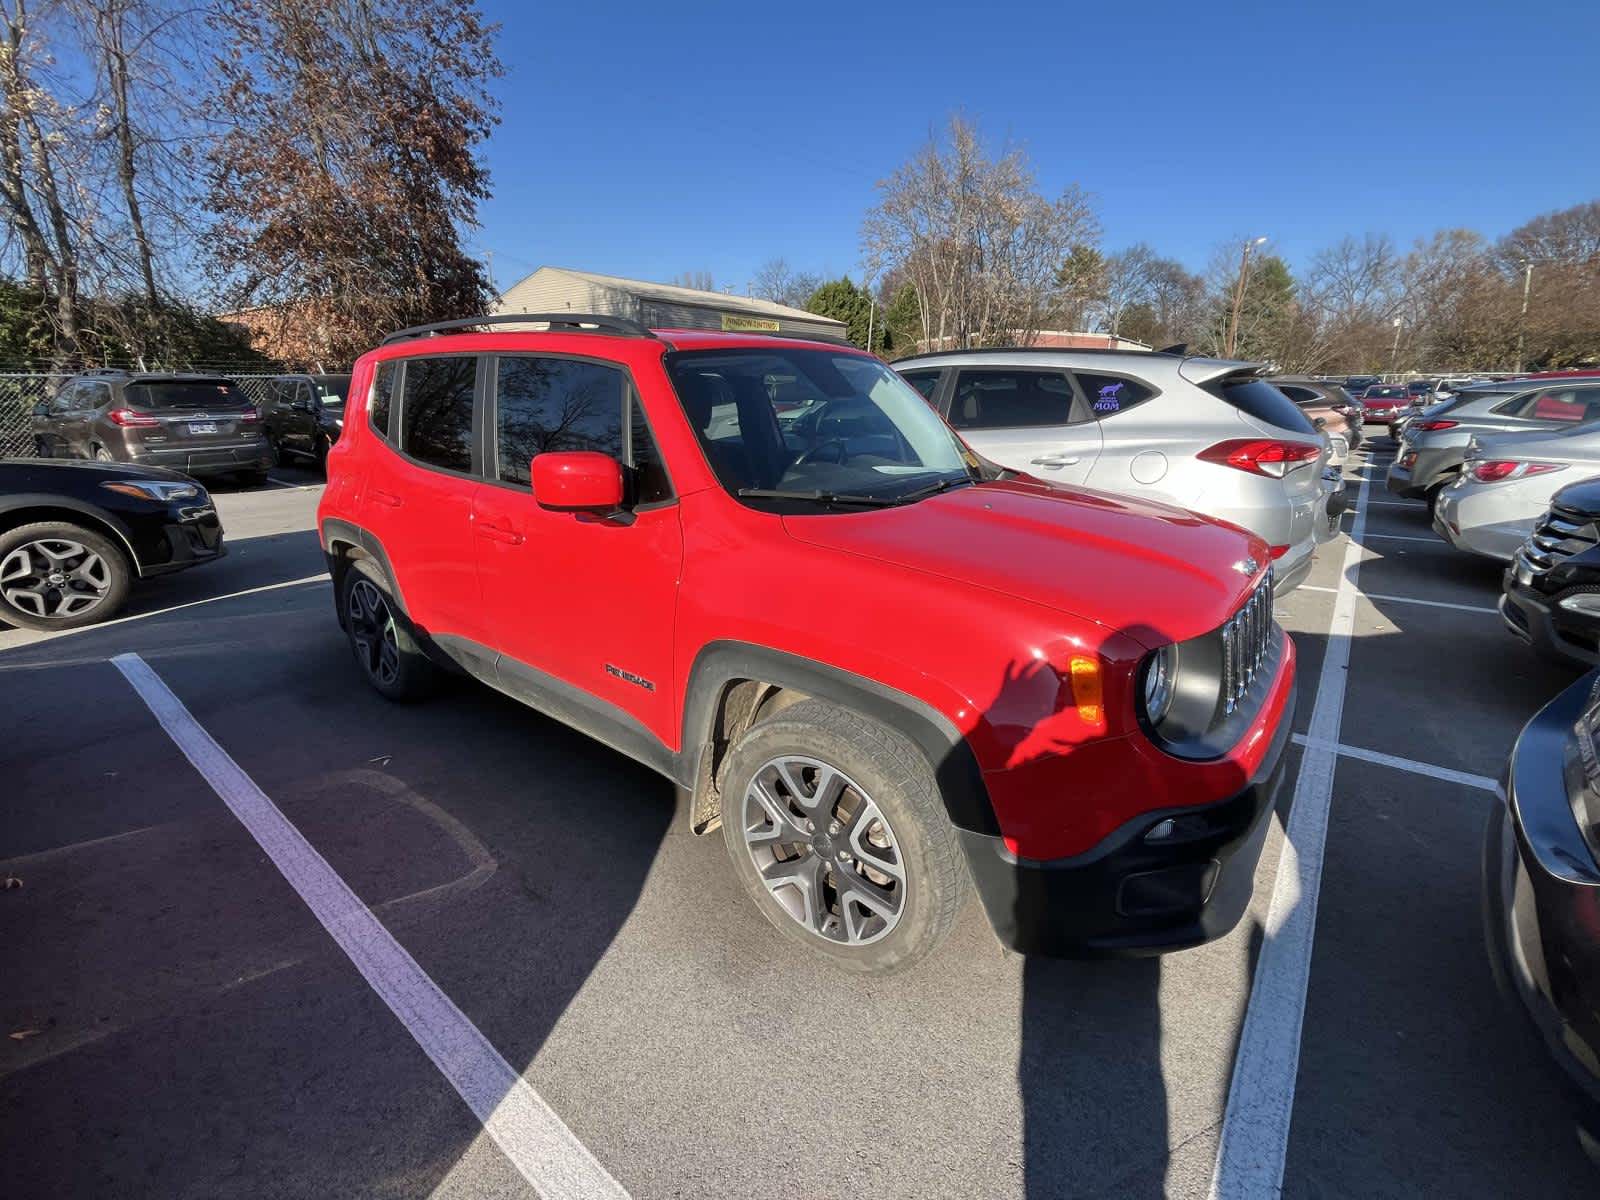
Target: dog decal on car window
{"points": [[1110, 398]]}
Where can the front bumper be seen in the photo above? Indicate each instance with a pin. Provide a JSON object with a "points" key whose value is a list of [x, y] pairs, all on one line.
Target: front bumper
{"points": [[1541, 892], [1550, 629], [210, 460], [1128, 896], [192, 537]]}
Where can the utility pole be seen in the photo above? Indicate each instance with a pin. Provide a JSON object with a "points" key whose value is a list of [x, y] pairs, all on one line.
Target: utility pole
{"points": [[488, 259], [871, 311], [1522, 324], [1236, 309], [1394, 351]]}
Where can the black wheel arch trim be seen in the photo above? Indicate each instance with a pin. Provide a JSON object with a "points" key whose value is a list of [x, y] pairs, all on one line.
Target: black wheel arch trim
{"points": [[54, 500], [721, 663], [336, 530]]}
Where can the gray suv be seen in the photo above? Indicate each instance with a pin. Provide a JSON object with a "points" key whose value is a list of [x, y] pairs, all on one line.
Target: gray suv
{"points": [[1205, 434], [1433, 443], [197, 424]]}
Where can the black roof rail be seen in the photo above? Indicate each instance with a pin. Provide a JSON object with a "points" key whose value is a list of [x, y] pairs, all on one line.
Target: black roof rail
{"points": [[565, 322], [1181, 349]]}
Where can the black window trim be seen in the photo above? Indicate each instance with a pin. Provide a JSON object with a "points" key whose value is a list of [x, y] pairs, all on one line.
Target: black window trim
{"points": [[1075, 398], [490, 447], [397, 415]]}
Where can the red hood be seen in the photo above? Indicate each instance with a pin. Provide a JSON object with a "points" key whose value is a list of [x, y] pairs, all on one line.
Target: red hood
{"points": [[1387, 401], [1155, 572]]}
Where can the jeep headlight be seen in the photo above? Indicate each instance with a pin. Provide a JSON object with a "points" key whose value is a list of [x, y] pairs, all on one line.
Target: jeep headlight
{"points": [[1160, 680]]}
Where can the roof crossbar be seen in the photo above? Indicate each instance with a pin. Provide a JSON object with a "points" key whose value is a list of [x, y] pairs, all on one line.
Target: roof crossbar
{"points": [[568, 322]]}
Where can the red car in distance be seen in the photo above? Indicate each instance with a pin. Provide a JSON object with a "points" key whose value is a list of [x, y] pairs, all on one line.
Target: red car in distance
{"points": [[1382, 404]]}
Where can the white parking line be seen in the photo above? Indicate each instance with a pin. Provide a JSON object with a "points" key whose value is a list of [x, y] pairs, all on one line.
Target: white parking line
{"points": [[1477, 608], [1413, 505], [1255, 1128], [526, 1129], [44, 636], [1399, 537], [1448, 774]]}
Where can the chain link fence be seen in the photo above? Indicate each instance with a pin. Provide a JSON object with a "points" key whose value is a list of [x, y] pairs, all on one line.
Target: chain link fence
{"points": [[21, 391]]}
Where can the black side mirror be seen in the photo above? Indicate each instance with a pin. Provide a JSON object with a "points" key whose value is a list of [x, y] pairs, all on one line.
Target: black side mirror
{"points": [[1320, 422]]}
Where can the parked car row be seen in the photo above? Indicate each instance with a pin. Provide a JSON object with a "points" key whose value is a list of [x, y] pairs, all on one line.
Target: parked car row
{"points": [[201, 425]]}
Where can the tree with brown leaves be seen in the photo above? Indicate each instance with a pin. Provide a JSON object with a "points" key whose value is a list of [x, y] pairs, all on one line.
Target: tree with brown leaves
{"points": [[347, 171]]}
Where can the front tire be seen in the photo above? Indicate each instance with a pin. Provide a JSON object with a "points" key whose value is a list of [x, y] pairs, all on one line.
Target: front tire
{"points": [[838, 833], [55, 575], [101, 454], [381, 641]]}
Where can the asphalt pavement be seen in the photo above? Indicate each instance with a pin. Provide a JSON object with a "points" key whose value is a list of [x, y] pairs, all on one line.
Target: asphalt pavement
{"points": [[190, 1028]]}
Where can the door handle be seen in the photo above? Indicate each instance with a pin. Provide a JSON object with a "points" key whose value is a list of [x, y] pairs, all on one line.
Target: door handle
{"points": [[383, 497], [1056, 460], [499, 533]]}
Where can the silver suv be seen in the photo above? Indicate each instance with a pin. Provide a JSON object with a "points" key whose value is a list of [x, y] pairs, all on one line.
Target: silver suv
{"points": [[1205, 434]]}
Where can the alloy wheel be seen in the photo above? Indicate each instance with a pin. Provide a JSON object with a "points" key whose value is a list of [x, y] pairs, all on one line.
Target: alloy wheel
{"points": [[372, 631], [54, 578], [824, 850]]}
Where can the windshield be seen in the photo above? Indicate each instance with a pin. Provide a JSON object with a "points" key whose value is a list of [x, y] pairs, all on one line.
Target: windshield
{"points": [[1385, 393], [811, 421], [186, 393], [332, 389]]}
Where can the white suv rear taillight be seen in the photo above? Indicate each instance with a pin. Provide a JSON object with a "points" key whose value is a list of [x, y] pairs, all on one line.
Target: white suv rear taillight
{"points": [[1272, 457]]}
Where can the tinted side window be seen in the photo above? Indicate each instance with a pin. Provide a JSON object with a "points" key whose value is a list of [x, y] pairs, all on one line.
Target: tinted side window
{"points": [[1299, 395], [650, 482], [91, 396], [436, 411], [924, 381], [1107, 395], [1003, 399], [552, 404], [382, 398], [65, 399], [1558, 404], [1259, 399]]}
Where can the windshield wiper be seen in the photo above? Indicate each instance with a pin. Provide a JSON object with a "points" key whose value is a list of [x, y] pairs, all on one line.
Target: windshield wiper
{"points": [[933, 489], [818, 497]]}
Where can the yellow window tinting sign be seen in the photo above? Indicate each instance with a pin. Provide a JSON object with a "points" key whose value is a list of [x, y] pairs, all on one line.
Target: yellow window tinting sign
{"points": [[733, 324]]}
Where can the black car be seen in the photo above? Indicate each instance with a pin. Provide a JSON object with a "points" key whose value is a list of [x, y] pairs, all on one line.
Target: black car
{"points": [[1541, 886], [303, 415], [75, 535], [1551, 591], [1357, 384], [197, 424]]}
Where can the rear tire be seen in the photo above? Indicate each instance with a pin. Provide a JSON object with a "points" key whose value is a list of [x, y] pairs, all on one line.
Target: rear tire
{"points": [[380, 638], [101, 454], [280, 456], [1433, 496], [875, 881], [56, 575]]}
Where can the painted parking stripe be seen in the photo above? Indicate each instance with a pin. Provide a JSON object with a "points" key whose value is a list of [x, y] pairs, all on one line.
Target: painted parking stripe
{"points": [[47, 636], [1400, 537], [1448, 774], [527, 1130], [1476, 608], [1255, 1127]]}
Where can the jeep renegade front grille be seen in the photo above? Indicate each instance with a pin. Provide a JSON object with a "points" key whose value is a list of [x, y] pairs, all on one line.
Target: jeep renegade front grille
{"points": [[1246, 639], [1559, 535]]}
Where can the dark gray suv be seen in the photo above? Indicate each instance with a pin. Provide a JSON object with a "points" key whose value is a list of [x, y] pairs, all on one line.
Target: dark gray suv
{"points": [[197, 424]]}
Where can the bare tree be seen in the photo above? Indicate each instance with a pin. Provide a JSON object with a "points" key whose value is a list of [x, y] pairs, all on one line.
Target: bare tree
{"points": [[974, 237], [1126, 281], [775, 280], [700, 281]]}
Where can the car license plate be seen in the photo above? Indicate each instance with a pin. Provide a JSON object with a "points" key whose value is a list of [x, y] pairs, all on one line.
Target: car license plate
{"points": [[202, 426]]}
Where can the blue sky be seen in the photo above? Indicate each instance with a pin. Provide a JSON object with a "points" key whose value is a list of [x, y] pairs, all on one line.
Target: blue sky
{"points": [[650, 140]]}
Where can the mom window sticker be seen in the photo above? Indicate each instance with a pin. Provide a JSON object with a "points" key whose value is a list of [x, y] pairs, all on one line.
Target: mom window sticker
{"points": [[1109, 398]]}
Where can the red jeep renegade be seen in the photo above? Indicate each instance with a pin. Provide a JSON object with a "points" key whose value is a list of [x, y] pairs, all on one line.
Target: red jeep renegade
{"points": [[765, 568]]}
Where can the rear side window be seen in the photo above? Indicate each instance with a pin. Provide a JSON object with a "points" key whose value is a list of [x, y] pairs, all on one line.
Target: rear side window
{"points": [[382, 398], [208, 393], [554, 404], [1557, 404], [924, 381], [1259, 399], [1107, 395], [91, 396], [1007, 399], [436, 411]]}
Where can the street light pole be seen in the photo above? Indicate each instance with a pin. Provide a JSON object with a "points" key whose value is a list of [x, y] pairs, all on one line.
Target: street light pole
{"points": [[1522, 324], [1231, 344], [1394, 351]]}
